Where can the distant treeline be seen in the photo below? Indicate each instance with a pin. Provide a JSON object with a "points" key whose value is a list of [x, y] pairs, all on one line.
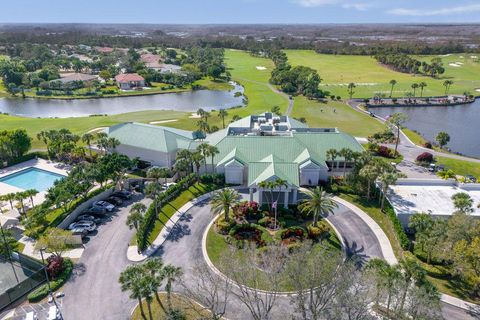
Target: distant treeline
{"points": [[161, 39]]}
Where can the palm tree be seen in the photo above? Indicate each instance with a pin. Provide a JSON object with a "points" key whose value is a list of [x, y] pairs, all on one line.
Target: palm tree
{"points": [[154, 266], [370, 172], [387, 179], [319, 203], [185, 159], [272, 186], [170, 274], [30, 193], [392, 83], [347, 156], [222, 113], [235, 117], [332, 155], [447, 174], [10, 197], [397, 119], [203, 126], [411, 271], [351, 86], [414, 87], [447, 84], [203, 148], [200, 113], [131, 280], [223, 200], [155, 173], [212, 152], [87, 138], [197, 159], [19, 197], [153, 190], [206, 115], [135, 218], [422, 86]]}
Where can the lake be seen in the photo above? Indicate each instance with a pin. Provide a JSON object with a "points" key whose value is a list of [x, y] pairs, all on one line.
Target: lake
{"points": [[183, 101], [461, 122]]}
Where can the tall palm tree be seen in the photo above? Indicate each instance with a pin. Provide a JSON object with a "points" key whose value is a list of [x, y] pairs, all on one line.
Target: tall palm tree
{"points": [[387, 179], [19, 197], [397, 119], [213, 151], [370, 172], [153, 190], [156, 174], [197, 159], [30, 193], [222, 113], [393, 82], [203, 126], [10, 197], [154, 266], [203, 148], [318, 203], [170, 274], [350, 88], [447, 84], [223, 200], [131, 280], [185, 158], [135, 218], [200, 113], [347, 155], [88, 138], [414, 87], [411, 271], [422, 86], [272, 186], [332, 155]]}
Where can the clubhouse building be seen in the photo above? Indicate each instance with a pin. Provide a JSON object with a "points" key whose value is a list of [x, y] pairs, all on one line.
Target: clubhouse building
{"points": [[251, 150]]}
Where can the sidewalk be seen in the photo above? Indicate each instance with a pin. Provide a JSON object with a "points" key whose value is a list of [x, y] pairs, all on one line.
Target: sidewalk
{"points": [[29, 250], [132, 251], [459, 303]]}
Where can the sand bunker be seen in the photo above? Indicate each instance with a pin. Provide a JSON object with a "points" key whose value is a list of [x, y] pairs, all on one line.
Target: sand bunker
{"points": [[478, 90], [195, 116], [474, 57], [163, 121], [455, 65], [97, 129], [261, 68]]}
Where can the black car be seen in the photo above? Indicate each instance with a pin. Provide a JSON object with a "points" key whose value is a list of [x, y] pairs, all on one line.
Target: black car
{"points": [[125, 195], [95, 211], [114, 200]]}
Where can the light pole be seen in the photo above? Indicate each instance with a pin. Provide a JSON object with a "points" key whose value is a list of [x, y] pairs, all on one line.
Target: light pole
{"points": [[9, 253], [48, 284]]}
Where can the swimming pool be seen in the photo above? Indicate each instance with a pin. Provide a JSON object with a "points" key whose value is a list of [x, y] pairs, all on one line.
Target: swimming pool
{"points": [[32, 178]]}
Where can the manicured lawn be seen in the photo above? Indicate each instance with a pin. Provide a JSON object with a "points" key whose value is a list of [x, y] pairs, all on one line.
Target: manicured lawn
{"points": [[218, 248], [460, 167], [83, 124], [168, 210], [336, 114], [371, 77], [414, 137], [192, 311], [261, 97]]}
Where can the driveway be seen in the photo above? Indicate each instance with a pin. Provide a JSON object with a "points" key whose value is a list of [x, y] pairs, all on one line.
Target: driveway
{"points": [[93, 292]]}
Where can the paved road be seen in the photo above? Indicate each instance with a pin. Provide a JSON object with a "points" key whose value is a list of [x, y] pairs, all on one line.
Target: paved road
{"points": [[94, 292], [360, 241]]}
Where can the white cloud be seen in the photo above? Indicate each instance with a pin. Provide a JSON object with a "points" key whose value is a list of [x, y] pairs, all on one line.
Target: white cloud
{"points": [[436, 12], [357, 6], [315, 3]]}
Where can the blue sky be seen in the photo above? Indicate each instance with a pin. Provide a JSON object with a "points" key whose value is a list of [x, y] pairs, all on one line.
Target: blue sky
{"points": [[240, 11]]}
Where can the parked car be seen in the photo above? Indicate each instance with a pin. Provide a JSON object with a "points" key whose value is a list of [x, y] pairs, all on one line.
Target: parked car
{"points": [[104, 205], [85, 217], [82, 232], [87, 225], [115, 201], [123, 194], [432, 167], [95, 210], [168, 184], [470, 178]]}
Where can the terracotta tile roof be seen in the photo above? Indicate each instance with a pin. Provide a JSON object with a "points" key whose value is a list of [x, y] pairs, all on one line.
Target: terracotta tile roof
{"points": [[128, 77]]}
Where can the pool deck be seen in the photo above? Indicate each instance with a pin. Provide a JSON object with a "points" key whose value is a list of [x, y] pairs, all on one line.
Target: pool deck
{"points": [[43, 164]]}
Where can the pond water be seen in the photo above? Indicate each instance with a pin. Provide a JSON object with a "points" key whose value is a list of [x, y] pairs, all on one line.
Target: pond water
{"points": [[183, 101], [461, 122]]}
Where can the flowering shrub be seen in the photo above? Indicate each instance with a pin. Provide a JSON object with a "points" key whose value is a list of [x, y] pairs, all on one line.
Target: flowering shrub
{"points": [[425, 157], [55, 266], [247, 232], [292, 234], [428, 145], [223, 227], [385, 152], [319, 232]]}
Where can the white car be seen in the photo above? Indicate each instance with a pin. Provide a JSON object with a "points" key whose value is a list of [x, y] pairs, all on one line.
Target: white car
{"points": [[87, 225], [104, 205]]}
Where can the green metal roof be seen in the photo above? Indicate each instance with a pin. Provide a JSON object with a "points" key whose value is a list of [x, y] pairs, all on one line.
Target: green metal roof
{"points": [[157, 138], [261, 171]]}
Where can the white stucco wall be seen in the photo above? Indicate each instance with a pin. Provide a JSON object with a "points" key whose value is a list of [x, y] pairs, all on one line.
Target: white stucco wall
{"points": [[156, 158]]}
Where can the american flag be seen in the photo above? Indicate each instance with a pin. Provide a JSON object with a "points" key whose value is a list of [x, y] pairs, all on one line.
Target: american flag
{"points": [[274, 205]]}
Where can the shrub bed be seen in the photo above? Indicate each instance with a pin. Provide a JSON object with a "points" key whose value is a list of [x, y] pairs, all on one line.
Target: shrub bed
{"points": [[150, 216], [240, 234], [56, 283], [425, 157], [292, 235]]}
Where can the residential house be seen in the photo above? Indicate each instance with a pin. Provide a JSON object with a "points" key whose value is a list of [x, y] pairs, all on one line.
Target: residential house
{"points": [[129, 81]]}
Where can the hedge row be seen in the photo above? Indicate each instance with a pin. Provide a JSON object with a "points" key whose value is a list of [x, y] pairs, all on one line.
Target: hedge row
{"points": [[42, 291], [151, 215], [26, 157], [397, 226]]}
